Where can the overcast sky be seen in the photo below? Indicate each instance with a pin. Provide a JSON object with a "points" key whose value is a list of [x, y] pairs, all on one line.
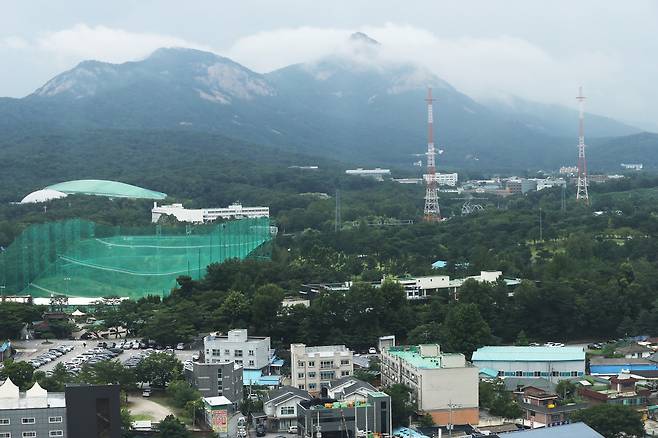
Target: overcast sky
{"points": [[537, 50]]}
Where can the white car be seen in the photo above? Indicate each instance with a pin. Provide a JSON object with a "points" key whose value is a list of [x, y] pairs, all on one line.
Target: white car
{"points": [[372, 350], [180, 346]]}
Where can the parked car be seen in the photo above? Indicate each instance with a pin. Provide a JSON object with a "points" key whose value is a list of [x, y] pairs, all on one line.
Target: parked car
{"points": [[180, 346], [372, 350], [260, 429], [292, 429], [146, 392]]}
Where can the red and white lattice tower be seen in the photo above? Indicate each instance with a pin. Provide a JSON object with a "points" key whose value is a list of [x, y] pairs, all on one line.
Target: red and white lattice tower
{"points": [[582, 194], [432, 211]]}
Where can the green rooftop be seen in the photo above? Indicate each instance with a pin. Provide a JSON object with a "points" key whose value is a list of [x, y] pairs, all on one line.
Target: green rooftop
{"points": [[112, 189], [412, 355]]}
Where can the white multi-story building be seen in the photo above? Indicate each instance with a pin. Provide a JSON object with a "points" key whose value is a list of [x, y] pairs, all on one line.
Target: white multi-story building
{"points": [[550, 183], [203, 215], [315, 367], [632, 166], [443, 385], [552, 363], [568, 170], [376, 173], [250, 352], [444, 179], [420, 287]]}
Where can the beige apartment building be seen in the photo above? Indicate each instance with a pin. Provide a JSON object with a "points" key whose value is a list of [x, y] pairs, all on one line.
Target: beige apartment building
{"points": [[315, 367], [443, 385]]}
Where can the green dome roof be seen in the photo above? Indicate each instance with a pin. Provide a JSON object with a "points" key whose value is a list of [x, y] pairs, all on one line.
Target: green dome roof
{"points": [[111, 189]]}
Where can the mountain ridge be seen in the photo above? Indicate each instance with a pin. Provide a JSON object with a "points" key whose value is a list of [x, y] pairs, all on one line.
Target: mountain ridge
{"points": [[357, 108]]}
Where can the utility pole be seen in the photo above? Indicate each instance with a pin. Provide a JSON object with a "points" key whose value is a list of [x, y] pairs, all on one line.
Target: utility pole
{"points": [[582, 193], [541, 230]]}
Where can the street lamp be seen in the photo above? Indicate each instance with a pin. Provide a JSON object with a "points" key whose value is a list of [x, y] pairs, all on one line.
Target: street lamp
{"points": [[451, 405]]}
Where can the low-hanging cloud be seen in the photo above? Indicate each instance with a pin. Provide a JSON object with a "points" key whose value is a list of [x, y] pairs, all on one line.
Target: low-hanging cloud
{"points": [[484, 68], [101, 43]]}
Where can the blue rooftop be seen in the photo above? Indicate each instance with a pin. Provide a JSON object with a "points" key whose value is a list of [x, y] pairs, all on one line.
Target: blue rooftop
{"points": [[256, 377], [617, 369], [528, 354], [439, 264]]}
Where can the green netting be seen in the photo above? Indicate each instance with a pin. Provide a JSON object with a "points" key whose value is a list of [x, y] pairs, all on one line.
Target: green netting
{"points": [[83, 259]]}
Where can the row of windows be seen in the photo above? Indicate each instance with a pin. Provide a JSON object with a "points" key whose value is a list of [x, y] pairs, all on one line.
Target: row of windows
{"points": [[540, 373], [227, 352], [31, 433], [311, 386], [31, 420], [323, 363]]}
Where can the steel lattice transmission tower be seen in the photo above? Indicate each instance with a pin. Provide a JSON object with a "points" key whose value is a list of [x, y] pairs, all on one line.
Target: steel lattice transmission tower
{"points": [[582, 193], [432, 211]]}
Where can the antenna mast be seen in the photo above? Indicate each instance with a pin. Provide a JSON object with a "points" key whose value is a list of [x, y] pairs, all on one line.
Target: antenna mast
{"points": [[582, 193], [432, 212]]}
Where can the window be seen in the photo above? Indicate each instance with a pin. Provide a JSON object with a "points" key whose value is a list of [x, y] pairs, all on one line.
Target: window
{"points": [[238, 353], [216, 352], [30, 420], [219, 374], [555, 373], [227, 352], [239, 362], [311, 375], [327, 375], [300, 386], [56, 433], [5, 434], [29, 434], [344, 362], [326, 364], [251, 363], [574, 374], [5, 421], [300, 363], [519, 374], [287, 410], [344, 373], [311, 386], [54, 419], [311, 363], [537, 374], [251, 352], [300, 375]]}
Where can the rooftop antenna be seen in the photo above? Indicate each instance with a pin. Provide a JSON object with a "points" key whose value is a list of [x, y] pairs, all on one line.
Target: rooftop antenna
{"points": [[582, 194], [432, 211]]}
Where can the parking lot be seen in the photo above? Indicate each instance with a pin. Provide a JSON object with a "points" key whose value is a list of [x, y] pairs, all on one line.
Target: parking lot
{"points": [[73, 353]]}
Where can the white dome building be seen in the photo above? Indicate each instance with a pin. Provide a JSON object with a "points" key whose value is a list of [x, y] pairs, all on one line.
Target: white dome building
{"points": [[43, 195]]}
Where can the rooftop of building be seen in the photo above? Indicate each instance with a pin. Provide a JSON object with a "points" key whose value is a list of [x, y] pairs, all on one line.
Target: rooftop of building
{"points": [[580, 430], [412, 355], [239, 335], [633, 349], [285, 393], [515, 383], [528, 354], [323, 350], [36, 397], [107, 188]]}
